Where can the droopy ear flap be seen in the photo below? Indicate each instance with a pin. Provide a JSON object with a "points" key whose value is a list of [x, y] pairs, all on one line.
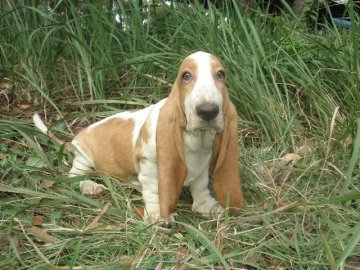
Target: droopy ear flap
{"points": [[172, 170], [226, 180]]}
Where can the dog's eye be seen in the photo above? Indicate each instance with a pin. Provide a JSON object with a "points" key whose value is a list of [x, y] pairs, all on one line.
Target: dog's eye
{"points": [[220, 75], [187, 77]]}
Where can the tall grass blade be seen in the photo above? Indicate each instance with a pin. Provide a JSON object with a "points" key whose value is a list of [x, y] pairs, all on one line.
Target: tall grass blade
{"points": [[350, 245], [354, 159]]}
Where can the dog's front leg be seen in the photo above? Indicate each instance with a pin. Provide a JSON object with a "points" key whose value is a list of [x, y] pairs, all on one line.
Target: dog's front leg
{"points": [[203, 202], [148, 178], [150, 190]]}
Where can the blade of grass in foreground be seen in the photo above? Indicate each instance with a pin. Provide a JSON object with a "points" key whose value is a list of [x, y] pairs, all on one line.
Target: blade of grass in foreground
{"points": [[29, 192], [354, 158], [353, 242]]}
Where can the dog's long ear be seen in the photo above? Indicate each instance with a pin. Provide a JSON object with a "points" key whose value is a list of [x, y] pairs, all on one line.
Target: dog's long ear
{"points": [[224, 165], [172, 170]]}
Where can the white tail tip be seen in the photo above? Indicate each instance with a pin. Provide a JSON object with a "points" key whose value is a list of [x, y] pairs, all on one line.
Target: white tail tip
{"points": [[39, 123]]}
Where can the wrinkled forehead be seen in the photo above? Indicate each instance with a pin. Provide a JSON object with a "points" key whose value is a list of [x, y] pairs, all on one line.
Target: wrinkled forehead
{"points": [[201, 63]]}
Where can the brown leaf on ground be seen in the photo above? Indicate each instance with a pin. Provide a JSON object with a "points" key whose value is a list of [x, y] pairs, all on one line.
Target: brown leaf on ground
{"points": [[347, 141], [4, 86], [38, 220], [41, 235], [139, 211], [266, 204], [95, 223], [305, 150], [46, 184], [24, 104], [276, 170], [182, 252]]}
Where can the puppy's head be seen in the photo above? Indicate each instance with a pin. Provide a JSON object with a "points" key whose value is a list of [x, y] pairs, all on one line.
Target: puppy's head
{"points": [[201, 83]]}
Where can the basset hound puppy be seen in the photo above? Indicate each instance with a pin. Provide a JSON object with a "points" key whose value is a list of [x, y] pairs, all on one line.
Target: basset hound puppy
{"points": [[174, 143]]}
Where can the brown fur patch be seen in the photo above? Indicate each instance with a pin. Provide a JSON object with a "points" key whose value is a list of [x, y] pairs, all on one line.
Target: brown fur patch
{"points": [[109, 145], [215, 67]]}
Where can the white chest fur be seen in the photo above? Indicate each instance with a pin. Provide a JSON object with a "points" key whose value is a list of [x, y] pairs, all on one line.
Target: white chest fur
{"points": [[197, 150]]}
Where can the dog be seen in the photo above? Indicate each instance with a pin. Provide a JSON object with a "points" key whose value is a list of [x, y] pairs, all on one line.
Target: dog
{"points": [[179, 141]]}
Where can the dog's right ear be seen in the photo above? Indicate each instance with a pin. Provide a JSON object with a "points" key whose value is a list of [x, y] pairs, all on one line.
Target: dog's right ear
{"points": [[172, 170]]}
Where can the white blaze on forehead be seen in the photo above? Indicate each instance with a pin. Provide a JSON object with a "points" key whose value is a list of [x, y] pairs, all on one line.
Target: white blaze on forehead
{"points": [[204, 77], [204, 89]]}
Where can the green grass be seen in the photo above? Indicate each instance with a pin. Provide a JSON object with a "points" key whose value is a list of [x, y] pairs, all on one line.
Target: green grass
{"points": [[76, 64]]}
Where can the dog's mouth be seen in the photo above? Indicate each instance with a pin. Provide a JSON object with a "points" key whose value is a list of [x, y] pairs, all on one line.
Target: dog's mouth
{"points": [[216, 124]]}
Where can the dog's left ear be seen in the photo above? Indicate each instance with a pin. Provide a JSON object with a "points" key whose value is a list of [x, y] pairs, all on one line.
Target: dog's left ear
{"points": [[224, 164]]}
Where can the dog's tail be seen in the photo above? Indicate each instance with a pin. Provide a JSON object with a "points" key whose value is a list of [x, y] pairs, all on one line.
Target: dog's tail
{"points": [[41, 126]]}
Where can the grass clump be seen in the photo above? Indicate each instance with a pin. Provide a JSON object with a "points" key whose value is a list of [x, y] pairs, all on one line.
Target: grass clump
{"points": [[296, 91]]}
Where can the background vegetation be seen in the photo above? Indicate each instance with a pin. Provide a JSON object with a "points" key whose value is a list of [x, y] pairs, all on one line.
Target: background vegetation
{"points": [[296, 88]]}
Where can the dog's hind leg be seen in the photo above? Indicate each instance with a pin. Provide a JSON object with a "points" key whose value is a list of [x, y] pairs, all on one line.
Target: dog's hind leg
{"points": [[82, 165]]}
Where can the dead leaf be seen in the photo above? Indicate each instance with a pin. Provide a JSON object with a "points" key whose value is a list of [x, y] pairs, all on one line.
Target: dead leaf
{"points": [[24, 104], [266, 205], [112, 227], [139, 211], [265, 172], [38, 220], [46, 184], [4, 86], [305, 150], [346, 142], [95, 223], [182, 252], [290, 157], [41, 235], [276, 170], [225, 251]]}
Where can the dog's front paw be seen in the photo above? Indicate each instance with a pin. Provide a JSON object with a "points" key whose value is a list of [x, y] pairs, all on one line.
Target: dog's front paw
{"points": [[156, 219], [209, 207], [90, 188]]}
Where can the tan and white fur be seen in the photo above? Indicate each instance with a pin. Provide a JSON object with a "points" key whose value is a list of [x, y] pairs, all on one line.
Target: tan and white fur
{"points": [[174, 143]]}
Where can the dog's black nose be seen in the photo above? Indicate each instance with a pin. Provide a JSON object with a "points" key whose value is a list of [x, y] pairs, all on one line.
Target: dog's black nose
{"points": [[207, 111]]}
